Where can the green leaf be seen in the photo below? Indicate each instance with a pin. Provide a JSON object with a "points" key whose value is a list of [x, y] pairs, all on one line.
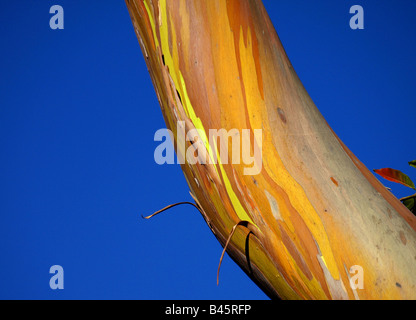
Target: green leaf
{"points": [[395, 176], [409, 202], [413, 163]]}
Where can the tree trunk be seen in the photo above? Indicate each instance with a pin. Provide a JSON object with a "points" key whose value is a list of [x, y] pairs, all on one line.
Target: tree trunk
{"points": [[314, 217]]}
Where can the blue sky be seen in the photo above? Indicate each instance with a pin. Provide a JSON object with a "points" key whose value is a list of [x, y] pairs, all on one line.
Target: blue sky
{"points": [[77, 117]]}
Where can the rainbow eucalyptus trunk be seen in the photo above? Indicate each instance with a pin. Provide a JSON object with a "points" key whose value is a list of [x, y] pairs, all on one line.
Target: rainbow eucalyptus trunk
{"points": [[312, 216]]}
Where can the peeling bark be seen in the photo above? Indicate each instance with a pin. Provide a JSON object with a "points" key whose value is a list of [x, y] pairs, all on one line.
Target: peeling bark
{"points": [[317, 210]]}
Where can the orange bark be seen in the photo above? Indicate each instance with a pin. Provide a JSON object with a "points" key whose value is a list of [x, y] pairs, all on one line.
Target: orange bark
{"points": [[314, 209]]}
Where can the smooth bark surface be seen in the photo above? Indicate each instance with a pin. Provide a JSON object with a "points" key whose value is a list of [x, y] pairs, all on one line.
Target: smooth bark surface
{"points": [[314, 211]]}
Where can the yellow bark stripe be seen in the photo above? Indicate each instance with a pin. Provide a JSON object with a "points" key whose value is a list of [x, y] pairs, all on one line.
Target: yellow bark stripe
{"points": [[189, 110]]}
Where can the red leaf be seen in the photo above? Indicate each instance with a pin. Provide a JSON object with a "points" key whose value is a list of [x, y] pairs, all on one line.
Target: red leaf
{"points": [[395, 176]]}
